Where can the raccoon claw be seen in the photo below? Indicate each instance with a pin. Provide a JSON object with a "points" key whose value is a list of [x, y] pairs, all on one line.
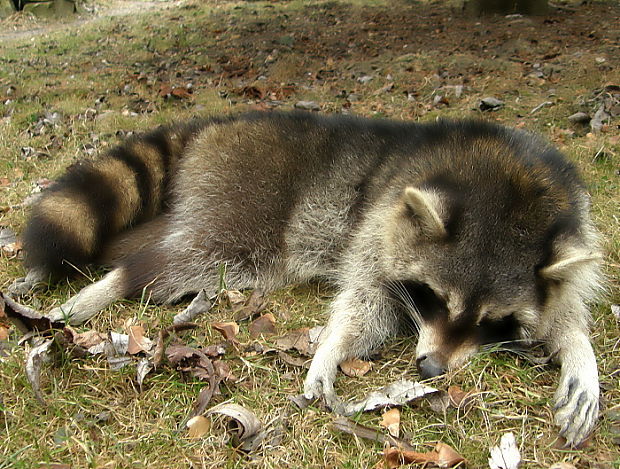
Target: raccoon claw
{"points": [[576, 410]]}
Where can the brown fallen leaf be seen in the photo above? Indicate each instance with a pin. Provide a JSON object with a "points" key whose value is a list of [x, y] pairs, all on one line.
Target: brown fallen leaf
{"points": [[162, 336], [346, 425], [293, 361], [137, 342], [250, 307], [229, 330], [442, 456], [87, 339], [304, 340], [355, 367], [4, 333], [222, 370], [264, 325], [198, 426], [460, 398], [391, 421]]}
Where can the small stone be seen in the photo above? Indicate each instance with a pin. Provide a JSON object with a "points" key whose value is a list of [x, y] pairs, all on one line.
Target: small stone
{"points": [[490, 104], [579, 118], [307, 105]]}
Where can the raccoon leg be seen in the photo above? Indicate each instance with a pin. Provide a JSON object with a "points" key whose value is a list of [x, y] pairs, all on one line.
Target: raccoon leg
{"points": [[92, 299], [577, 396], [359, 322]]}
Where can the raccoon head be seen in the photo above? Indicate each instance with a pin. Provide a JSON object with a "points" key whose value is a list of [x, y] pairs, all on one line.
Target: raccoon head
{"points": [[469, 274]]}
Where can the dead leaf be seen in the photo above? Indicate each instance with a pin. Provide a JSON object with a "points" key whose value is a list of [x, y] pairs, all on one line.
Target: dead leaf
{"points": [[460, 398], [355, 367], [88, 339], [199, 305], [245, 427], [250, 307], [38, 356], [120, 343], [264, 325], [304, 340], [143, 368], [137, 342], [160, 346], [398, 393], [222, 370], [232, 298], [229, 330], [506, 455], [293, 361], [439, 401], [442, 456], [391, 421], [177, 352], [4, 333], [198, 426], [26, 319], [346, 425]]}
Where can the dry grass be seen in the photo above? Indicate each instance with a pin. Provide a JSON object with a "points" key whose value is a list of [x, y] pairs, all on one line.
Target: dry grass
{"points": [[96, 417]]}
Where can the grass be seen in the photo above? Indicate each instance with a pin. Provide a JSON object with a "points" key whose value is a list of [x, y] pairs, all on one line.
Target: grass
{"points": [[117, 65]]}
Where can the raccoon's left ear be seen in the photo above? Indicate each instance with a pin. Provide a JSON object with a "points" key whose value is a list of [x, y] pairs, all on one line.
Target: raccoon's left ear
{"points": [[425, 207], [570, 262]]}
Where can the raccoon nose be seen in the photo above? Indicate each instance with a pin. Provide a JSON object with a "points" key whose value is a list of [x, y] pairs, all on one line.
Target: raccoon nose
{"points": [[429, 367]]}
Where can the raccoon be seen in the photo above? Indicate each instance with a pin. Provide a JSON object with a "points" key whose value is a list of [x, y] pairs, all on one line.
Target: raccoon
{"points": [[473, 232]]}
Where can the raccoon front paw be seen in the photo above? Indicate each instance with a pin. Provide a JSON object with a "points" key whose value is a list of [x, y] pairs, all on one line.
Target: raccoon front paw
{"points": [[576, 408], [319, 385]]}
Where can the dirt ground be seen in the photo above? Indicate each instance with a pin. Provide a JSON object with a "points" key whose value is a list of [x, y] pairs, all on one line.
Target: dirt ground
{"points": [[68, 90]]}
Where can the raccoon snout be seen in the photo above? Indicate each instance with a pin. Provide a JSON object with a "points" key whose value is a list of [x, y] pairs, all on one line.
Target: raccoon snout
{"points": [[429, 366]]}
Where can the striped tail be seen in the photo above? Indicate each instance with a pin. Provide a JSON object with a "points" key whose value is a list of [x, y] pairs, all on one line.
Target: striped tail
{"points": [[98, 199]]}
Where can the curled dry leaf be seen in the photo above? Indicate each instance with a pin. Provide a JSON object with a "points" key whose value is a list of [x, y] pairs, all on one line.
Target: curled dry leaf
{"points": [[506, 455], [198, 426], [229, 330], [264, 325], [442, 456], [355, 367], [143, 368], [398, 393], [391, 421], [37, 356], [199, 305], [26, 319], [245, 428]]}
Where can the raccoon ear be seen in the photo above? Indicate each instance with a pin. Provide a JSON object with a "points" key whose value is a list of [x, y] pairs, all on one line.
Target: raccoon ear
{"points": [[572, 260], [424, 206]]}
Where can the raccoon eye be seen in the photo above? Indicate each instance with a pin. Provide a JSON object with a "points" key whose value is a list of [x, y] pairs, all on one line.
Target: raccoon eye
{"points": [[426, 301], [498, 330]]}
